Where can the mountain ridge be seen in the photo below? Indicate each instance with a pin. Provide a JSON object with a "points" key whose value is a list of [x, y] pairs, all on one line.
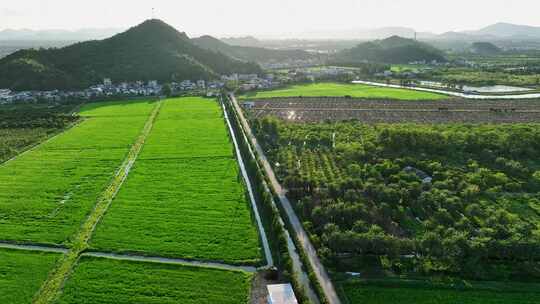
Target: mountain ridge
{"points": [[152, 50]]}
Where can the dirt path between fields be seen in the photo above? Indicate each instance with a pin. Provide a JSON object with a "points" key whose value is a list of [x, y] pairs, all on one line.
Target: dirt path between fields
{"points": [[52, 287]]}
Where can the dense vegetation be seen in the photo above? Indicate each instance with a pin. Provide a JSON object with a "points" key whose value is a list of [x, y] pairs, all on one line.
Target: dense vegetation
{"points": [[103, 281], [450, 199], [485, 76], [341, 90], [22, 273], [391, 50], [46, 193], [150, 51], [250, 54], [383, 292], [24, 125], [183, 197], [485, 48]]}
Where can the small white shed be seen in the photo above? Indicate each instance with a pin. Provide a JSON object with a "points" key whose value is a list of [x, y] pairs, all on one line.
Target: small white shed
{"points": [[281, 294]]}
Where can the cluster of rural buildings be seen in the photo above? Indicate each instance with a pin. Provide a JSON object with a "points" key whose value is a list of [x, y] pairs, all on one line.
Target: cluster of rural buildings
{"points": [[244, 82], [108, 89]]}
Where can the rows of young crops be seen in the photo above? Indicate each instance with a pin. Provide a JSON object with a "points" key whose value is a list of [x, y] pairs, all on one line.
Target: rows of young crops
{"points": [[105, 281], [22, 273], [183, 198], [46, 193]]}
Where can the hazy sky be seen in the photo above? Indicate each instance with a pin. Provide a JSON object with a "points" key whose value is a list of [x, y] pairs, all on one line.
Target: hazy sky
{"points": [[263, 17]]}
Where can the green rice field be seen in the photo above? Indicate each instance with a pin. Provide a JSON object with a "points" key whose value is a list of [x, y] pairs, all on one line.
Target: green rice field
{"points": [[411, 293], [183, 197], [47, 193], [341, 90], [103, 281], [22, 273]]}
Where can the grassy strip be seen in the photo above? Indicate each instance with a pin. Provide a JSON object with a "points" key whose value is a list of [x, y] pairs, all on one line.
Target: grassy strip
{"points": [[51, 288]]}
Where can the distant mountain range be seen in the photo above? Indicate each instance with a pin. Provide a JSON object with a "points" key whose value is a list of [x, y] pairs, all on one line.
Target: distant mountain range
{"points": [[495, 31], [249, 53], [59, 35], [498, 31], [151, 50]]}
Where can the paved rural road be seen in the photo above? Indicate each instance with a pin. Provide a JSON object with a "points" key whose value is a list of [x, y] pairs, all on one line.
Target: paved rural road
{"points": [[162, 260], [456, 94], [301, 234]]}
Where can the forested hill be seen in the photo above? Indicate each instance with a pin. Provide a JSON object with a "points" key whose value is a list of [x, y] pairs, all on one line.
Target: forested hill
{"points": [[151, 50], [256, 54], [485, 48], [391, 50]]}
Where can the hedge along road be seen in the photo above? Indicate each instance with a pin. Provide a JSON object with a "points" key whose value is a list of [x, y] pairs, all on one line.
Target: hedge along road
{"points": [[51, 288], [303, 238]]}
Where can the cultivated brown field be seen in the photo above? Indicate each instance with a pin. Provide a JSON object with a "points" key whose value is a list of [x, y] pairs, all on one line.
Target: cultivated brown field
{"points": [[391, 111]]}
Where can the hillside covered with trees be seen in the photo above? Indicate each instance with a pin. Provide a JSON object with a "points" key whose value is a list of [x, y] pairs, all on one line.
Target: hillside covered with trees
{"points": [[446, 199], [152, 50], [394, 49]]}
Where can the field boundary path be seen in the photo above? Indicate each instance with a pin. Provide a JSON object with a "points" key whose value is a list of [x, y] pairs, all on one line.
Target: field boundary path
{"points": [[53, 285], [450, 93], [33, 248], [302, 236], [262, 231], [162, 260]]}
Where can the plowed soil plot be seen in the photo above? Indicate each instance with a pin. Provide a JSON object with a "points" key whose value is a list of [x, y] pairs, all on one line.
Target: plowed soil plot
{"points": [[22, 273], [387, 111], [45, 194], [183, 198], [102, 281]]}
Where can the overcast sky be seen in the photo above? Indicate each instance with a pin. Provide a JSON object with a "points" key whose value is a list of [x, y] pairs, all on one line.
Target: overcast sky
{"points": [[264, 17]]}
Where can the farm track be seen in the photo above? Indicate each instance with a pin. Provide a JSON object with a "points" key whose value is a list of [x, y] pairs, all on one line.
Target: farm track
{"points": [[162, 260], [33, 248], [297, 265], [52, 286], [262, 232], [300, 234]]}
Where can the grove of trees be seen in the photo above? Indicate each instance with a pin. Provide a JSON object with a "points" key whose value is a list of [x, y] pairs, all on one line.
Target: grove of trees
{"points": [[444, 198]]}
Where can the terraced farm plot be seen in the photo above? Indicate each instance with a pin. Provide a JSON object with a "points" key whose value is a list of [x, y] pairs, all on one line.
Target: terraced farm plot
{"points": [[183, 198], [340, 90], [103, 281], [46, 193], [22, 273]]}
